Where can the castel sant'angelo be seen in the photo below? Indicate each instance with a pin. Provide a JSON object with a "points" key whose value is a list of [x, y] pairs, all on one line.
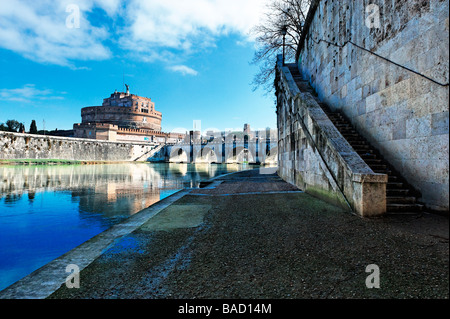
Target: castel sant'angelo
{"points": [[123, 117]]}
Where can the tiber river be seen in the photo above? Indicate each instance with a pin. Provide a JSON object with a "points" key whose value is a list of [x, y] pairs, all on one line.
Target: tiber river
{"points": [[45, 211]]}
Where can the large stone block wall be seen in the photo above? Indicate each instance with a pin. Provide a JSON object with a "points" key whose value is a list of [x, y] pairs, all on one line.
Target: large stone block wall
{"points": [[403, 114], [313, 155], [28, 146]]}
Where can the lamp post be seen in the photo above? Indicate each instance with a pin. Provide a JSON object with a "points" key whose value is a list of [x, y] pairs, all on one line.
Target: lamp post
{"points": [[284, 32]]}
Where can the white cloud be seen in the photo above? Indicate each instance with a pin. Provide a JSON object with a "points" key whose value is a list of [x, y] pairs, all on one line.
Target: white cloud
{"points": [[156, 30], [183, 69], [37, 30], [186, 25], [28, 93]]}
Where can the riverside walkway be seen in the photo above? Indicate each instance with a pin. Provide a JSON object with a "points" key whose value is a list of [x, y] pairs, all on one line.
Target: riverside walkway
{"points": [[252, 235]]}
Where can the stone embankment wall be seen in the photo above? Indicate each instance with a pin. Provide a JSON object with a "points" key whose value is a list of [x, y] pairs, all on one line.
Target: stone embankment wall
{"points": [[28, 146], [403, 112], [313, 155]]}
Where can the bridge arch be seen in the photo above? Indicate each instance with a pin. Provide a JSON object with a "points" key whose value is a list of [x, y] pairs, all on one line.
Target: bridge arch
{"points": [[272, 155], [240, 154], [178, 155], [208, 155]]}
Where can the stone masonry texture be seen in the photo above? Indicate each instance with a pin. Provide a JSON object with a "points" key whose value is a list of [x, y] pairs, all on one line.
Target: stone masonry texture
{"points": [[404, 115], [28, 146]]}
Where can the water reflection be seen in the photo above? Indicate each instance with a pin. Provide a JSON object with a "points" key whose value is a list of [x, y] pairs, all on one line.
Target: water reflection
{"points": [[131, 187], [47, 210]]}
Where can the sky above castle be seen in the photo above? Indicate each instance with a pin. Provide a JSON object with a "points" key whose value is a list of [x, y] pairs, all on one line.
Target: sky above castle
{"points": [[191, 57]]}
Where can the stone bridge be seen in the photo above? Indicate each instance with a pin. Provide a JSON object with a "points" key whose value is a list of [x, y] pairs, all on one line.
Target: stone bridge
{"points": [[256, 151]]}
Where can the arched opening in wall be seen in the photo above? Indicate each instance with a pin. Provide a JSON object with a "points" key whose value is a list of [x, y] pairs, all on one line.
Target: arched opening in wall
{"points": [[272, 156], [178, 155], [240, 154], [207, 155]]}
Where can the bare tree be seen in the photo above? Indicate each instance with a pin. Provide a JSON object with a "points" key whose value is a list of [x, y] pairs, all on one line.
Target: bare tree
{"points": [[269, 38]]}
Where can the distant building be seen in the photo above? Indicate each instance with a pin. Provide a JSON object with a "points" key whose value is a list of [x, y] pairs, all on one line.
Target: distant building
{"points": [[124, 117], [247, 129]]}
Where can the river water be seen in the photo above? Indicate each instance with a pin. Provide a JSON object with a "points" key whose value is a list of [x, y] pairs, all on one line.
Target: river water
{"points": [[46, 210]]}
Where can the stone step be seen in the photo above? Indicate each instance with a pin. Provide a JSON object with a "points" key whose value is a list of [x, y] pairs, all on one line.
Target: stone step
{"points": [[382, 171], [360, 147], [377, 166], [394, 185], [373, 161], [336, 118], [305, 89], [346, 131], [360, 144], [351, 134], [404, 208], [392, 178], [342, 125], [400, 200], [397, 192], [355, 142], [368, 156], [365, 152]]}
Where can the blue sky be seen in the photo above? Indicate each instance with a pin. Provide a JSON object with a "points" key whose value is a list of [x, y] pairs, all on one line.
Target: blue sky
{"points": [[192, 57]]}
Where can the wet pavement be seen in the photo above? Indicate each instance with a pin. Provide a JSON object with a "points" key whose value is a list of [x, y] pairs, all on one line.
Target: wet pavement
{"points": [[251, 235]]}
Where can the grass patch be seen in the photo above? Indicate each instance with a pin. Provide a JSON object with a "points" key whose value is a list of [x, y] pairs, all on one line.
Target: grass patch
{"points": [[40, 162], [47, 161]]}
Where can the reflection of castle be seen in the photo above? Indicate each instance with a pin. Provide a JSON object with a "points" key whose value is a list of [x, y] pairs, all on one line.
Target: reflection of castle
{"points": [[123, 117], [111, 190], [115, 199]]}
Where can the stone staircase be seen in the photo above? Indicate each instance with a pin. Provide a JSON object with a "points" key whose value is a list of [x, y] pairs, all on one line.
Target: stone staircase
{"points": [[150, 153], [401, 198]]}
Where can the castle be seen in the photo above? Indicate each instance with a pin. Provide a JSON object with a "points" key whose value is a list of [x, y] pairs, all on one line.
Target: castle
{"points": [[124, 117]]}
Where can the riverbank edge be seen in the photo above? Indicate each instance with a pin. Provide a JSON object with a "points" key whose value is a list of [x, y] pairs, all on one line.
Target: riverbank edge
{"points": [[58, 162], [45, 280], [4, 162], [42, 282]]}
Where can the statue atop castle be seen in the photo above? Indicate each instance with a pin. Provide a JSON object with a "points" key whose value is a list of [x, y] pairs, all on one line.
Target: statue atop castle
{"points": [[128, 89]]}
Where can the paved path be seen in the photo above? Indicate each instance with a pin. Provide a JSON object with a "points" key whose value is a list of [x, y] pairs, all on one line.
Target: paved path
{"points": [[251, 235]]}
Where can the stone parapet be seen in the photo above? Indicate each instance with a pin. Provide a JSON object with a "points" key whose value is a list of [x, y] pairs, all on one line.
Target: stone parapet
{"points": [[314, 155], [33, 146]]}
